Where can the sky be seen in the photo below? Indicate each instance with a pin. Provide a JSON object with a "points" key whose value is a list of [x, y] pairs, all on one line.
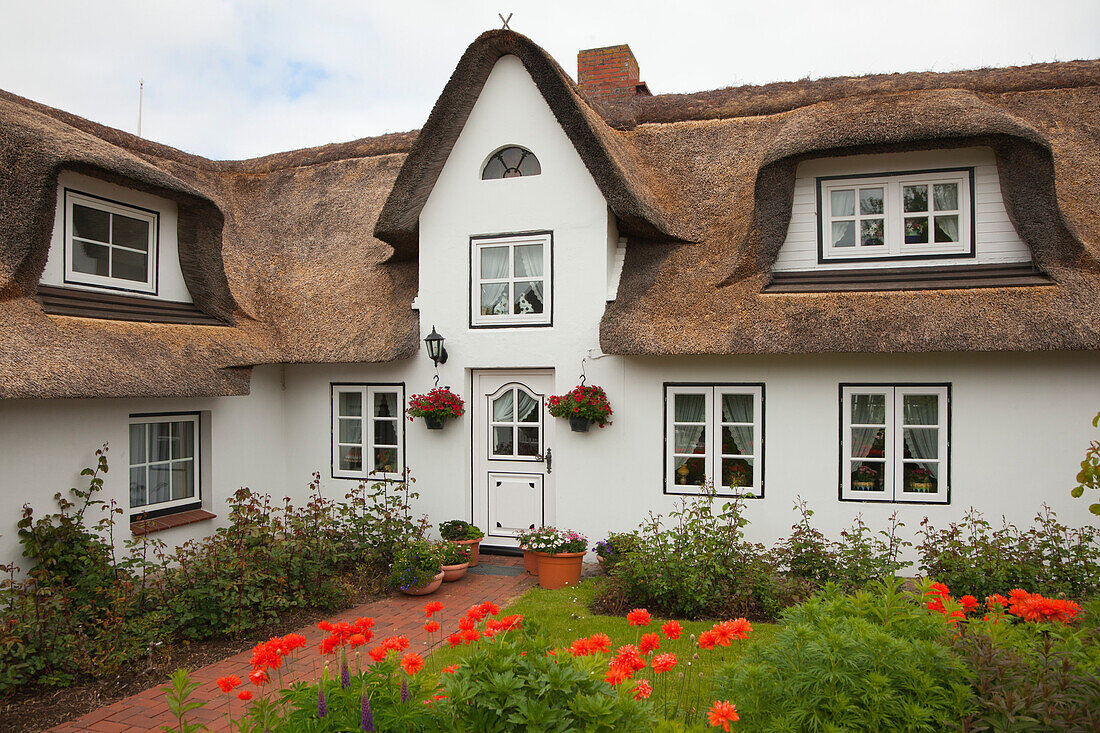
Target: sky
{"points": [[238, 79]]}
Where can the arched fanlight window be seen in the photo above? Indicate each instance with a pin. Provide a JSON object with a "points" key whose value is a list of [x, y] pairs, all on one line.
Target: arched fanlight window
{"points": [[511, 162]]}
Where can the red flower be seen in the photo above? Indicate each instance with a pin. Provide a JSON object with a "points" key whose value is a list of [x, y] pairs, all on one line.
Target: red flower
{"points": [[449, 670], [295, 641], [431, 607], [475, 613], [363, 623], [228, 683], [465, 623], [672, 630], [600, 642], [708, 639], [642, 690], [727, 631], [664, 662], [412, 663], [378, 653], [245, 695], [617, 674], [397, 643], [996, 600], [722, 713], [489, 608], [638, 617], [258, 677], [649, 643], [454, 639], [969, 603], [470, 635], [431, 626], [357, 640], [581, 648]]}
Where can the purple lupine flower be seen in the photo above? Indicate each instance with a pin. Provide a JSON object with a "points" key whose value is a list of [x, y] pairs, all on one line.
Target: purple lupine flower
{"points": [[366, 717], [322, 706], [345, 675], [404, 691]]}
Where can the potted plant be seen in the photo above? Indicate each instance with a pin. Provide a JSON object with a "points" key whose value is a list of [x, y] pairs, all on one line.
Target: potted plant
{"points": [[456, 560], [583, 406], [560, 555], [737, 476], [462, 532], [528, 540], [614, 548], [417, 568], [864, 478], [436, 407], [921, 480]]}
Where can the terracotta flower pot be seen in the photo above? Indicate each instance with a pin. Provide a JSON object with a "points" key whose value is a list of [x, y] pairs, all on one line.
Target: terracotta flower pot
{"points": [[451, 573], [424, 590], [530, 562], [472, 546], [561, 569]]}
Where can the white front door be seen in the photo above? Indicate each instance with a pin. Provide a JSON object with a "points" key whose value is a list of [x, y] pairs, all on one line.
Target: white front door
{"points": [[513, 458]]}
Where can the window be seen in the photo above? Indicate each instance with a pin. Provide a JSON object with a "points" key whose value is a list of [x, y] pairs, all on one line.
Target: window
{"points": [[511, 280], [516, 424], [109, 244], [714, 432], [164, 462], [894, 443], [511, 162], [896, 215], [368, 435]]}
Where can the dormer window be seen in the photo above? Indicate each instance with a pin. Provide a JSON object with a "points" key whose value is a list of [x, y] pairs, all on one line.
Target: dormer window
{"points": [[511, 162], [904, 215], [109, 244]]}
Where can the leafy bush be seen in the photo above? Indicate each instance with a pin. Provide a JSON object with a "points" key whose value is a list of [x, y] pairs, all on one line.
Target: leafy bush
{"points": [[973, 557], [458, 529], [1089, 475], [615, 547], [416, 565], [872, 661]]}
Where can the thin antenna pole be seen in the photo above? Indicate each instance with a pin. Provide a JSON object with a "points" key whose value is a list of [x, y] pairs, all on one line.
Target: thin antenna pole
{"points": [[141, 94]]}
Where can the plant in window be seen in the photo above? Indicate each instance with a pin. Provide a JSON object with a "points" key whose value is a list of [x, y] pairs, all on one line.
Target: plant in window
{"points": [[921, 479], [864, 477], [582, 405], [438, 405], [737, 476]]}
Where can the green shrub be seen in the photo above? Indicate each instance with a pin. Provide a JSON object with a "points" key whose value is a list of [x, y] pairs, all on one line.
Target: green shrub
{"points": [[973, 557], [875, 661], [416, 565], [458, 529]]}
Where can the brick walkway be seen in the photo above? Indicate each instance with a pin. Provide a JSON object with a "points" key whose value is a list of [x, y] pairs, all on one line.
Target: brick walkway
{"points": [[148, 710]]}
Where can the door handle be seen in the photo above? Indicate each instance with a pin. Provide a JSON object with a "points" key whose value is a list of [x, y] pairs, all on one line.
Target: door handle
{"points": [[548, 458]]}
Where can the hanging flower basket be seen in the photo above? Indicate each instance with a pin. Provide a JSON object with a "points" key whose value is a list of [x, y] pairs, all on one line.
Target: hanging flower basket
{"points": [[436, 407], [582, 406]]}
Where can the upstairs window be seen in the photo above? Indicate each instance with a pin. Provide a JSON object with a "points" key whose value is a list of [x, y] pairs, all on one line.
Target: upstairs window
{"points": [[511, 283], [511, 162], [896, 215], [109, 244]]}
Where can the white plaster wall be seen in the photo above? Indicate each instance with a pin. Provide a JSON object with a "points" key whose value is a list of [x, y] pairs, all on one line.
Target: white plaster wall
{"points": [[995, 237], [170, 283]]}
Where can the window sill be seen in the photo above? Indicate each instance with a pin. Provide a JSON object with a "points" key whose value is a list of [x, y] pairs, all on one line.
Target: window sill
{"points": [[149, 526], [950, 277]]}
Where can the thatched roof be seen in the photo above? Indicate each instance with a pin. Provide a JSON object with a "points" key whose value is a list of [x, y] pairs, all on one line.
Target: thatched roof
{"points": [[310, 256]]}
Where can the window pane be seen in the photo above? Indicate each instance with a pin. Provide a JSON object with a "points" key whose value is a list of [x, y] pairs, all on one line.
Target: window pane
{"points": [[871, 232], [493, 169], [351, 431], [737, 408], [128, 265], [528, 297], [689, 408], [921, 409], [868, 476], [920, 478], [528, 442], [737, 440], [385, 460], [502, 407], [691, 471], [737, 472], [870, 201], [528, 260], [530, 166], [494, 299], [91, 223], [916, 230], [690, 439], [512, 156], [868, 409], [945, 196], [915, 198], [947, 228], [183, 479], [502, 441], [385, 432], [128, 232], [385, 404], [494, 262], [868, 442], [844, 234], [351, 404], [137, 444], [922, 442], [160, 477], [137, 486], [160, 441], [183, 440], [843, 203], [92, 259], [527, 407], [351, 458]]}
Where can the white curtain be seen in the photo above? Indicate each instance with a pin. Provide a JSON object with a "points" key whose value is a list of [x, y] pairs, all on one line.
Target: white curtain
{"points": [[494, 296], [923, 443], [949, 225], [688, 408], [738, 408], [863, 439], [529, 264]]}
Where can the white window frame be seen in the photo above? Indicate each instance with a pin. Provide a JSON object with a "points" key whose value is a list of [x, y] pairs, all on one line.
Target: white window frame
{"points": [[894, 246], [367, 393], [149, 285], [894, 442], [196, 459], [713, 423], [477, 246]]}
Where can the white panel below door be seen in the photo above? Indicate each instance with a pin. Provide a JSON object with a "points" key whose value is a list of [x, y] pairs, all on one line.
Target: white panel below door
{"points": [[515, 502]]}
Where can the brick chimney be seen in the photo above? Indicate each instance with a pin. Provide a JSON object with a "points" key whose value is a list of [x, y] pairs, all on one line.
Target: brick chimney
{"points": [[609, 74]]}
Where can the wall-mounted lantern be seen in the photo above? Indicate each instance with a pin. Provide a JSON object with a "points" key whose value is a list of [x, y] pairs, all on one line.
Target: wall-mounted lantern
{"points": [[436, 352]]}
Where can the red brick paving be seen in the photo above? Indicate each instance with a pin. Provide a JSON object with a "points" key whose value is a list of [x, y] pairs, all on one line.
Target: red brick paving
{"points": [[148, 710]]}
